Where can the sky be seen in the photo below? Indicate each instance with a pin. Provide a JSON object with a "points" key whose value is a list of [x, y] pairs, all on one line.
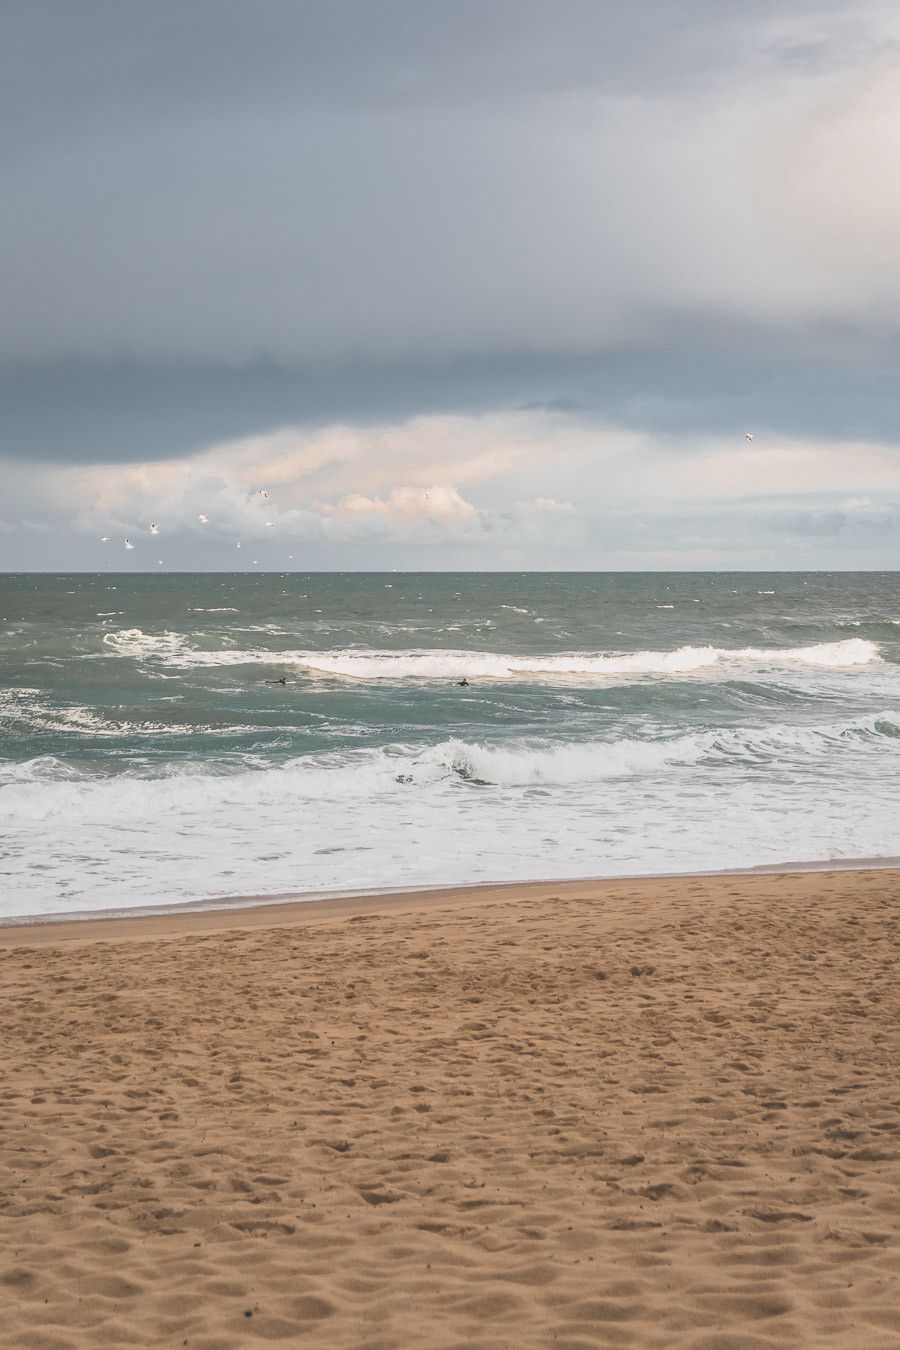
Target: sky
{"points": [[458, 285]]}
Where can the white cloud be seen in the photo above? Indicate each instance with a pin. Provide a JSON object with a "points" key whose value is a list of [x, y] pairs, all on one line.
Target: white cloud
{"points": [[414, 471], [521, 488], [544, 504], [409, 472], [411, 506]]}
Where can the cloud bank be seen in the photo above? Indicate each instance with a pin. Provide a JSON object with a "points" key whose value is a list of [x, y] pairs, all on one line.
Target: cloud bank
{"points": [[470, 491]]}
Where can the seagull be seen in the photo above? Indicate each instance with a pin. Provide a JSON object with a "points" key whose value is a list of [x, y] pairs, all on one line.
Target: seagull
{"points": [[202, 518], [748, 435], [270, 524], [425, 496], [237, 545], [154, 529], [129, 544], [104, 539], [263, 493]]}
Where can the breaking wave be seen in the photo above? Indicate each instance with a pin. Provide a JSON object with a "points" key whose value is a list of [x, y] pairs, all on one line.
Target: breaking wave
{"points": [[46, 787], [134, 642], [563, 764], [445, 664], [457, 812], [489, 665]]}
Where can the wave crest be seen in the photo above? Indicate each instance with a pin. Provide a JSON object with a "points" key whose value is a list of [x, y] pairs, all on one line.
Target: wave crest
{"points": [[137, 644], [448, 664], [442, 664], [358, 775], [561, 764]]}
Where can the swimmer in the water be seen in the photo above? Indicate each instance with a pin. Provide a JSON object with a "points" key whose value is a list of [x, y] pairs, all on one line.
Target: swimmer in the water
{"points": [[283, 680], [463, 683]]}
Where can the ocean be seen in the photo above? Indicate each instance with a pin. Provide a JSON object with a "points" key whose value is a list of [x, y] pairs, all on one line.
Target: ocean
{"points": [[612, 724]]}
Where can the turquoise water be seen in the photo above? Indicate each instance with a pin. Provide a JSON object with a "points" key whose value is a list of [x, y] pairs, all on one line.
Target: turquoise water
{"points": [[611, 724]]}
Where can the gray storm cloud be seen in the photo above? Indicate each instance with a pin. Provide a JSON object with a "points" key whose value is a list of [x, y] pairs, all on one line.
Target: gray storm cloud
{"points": [[344, 182]]}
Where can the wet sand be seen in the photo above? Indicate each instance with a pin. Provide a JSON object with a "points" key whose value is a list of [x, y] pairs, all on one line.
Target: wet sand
{"points": [[652, 1113]]}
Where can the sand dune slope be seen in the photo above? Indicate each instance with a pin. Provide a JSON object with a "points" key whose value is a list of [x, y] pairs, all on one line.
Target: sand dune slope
{"points": [[656, 1114]]}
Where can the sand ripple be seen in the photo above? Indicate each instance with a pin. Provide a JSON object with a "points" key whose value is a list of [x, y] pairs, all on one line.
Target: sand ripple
{"points": [[658, 1114]]}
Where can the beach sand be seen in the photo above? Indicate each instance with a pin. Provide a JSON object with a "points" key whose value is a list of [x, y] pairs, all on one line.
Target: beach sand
{"points": [[649, 1113]]}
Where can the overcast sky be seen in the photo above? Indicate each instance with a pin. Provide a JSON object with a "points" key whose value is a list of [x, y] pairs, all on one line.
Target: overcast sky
{"points": [[458, 283]]}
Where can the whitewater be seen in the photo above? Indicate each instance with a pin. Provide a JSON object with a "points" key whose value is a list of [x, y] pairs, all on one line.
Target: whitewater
{"points": [[441, 664], [611, 725]]}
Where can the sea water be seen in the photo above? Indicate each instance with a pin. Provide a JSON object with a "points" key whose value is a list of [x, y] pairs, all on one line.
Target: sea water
{"points": [[611, 724]]}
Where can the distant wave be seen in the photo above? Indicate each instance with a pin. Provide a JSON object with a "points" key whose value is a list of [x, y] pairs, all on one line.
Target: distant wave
{"points": [[446, 664], [870, 624], [136, 643], [489, 665], [25, 711]]}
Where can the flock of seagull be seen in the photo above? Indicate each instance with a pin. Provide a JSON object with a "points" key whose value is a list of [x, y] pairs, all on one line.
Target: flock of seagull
{"points": [[203, 518]]}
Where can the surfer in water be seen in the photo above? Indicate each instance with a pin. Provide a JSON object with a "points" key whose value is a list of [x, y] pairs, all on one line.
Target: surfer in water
{"points": [[463, 683], [283, 680]]}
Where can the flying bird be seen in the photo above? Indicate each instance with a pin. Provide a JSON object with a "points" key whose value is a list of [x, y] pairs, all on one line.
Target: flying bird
{"points": [[263, 493], [202, 518], [748, 435], [129, 544], [154, 529], [104, 539]]}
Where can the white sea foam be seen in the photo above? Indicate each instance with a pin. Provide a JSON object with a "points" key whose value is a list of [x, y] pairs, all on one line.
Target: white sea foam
{"points": [[560, 764], [135, 643], [512, 763], [444, 664], [524, 809], [24, 711], [448, 664]]}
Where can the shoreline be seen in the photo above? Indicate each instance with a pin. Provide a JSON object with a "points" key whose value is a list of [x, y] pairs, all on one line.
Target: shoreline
{"points": [[299, 908]]}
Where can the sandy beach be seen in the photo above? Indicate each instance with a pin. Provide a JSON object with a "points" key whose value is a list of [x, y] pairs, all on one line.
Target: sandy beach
{"points": [[656, 1113]]}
